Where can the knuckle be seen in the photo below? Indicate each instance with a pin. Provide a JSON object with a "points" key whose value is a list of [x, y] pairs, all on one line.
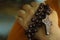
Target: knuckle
{"points": [[34, 4], [27, 6], [21, 11], [21, 14]]}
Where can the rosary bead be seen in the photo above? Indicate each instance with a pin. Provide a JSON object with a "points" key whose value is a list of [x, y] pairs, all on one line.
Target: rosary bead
{"points": [[47, 9], [37, 14], [41, 6], [37, 21], [34, 30], [33, 19], [33, 25], [29, 36], [43, 15]]}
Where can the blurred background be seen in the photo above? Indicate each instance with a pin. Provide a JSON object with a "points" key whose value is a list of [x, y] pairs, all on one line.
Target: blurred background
{"points": [[8, 13]]}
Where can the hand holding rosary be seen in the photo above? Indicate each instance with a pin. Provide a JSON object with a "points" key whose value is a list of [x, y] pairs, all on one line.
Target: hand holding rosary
{"points": [[40, 18]]}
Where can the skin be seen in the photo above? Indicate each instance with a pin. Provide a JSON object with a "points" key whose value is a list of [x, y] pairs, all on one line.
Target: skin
{"points": [[55, 5], [17, 32]]}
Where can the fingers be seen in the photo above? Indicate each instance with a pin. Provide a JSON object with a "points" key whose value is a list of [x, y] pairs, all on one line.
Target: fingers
{"points": [[27, 12], [21, 16], [27, 8], [35, 5], [30, 9], [21, 20], [22, 13]]}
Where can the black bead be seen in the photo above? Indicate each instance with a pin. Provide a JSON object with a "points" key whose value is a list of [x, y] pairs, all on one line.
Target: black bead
{"points": [[37, 14], [29, 31], [40, 17], [46, 11], [41, 6], [40, 10], [29, 35], [37, 21], [46, 7], [43, 15], [34, 30], [33, 25], [39, 25], [33, 19], [32, 34]]}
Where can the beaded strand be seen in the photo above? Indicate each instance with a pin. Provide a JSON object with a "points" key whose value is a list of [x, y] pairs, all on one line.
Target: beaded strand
{"points": [[36, 22]]}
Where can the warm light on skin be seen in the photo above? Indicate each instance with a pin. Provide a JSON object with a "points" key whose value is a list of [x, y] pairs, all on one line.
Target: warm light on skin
{"points": [[54, 4], [18, 34]]}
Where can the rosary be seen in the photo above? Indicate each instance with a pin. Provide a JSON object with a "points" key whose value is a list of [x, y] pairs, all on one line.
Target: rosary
{"points": [[40, 18]]}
